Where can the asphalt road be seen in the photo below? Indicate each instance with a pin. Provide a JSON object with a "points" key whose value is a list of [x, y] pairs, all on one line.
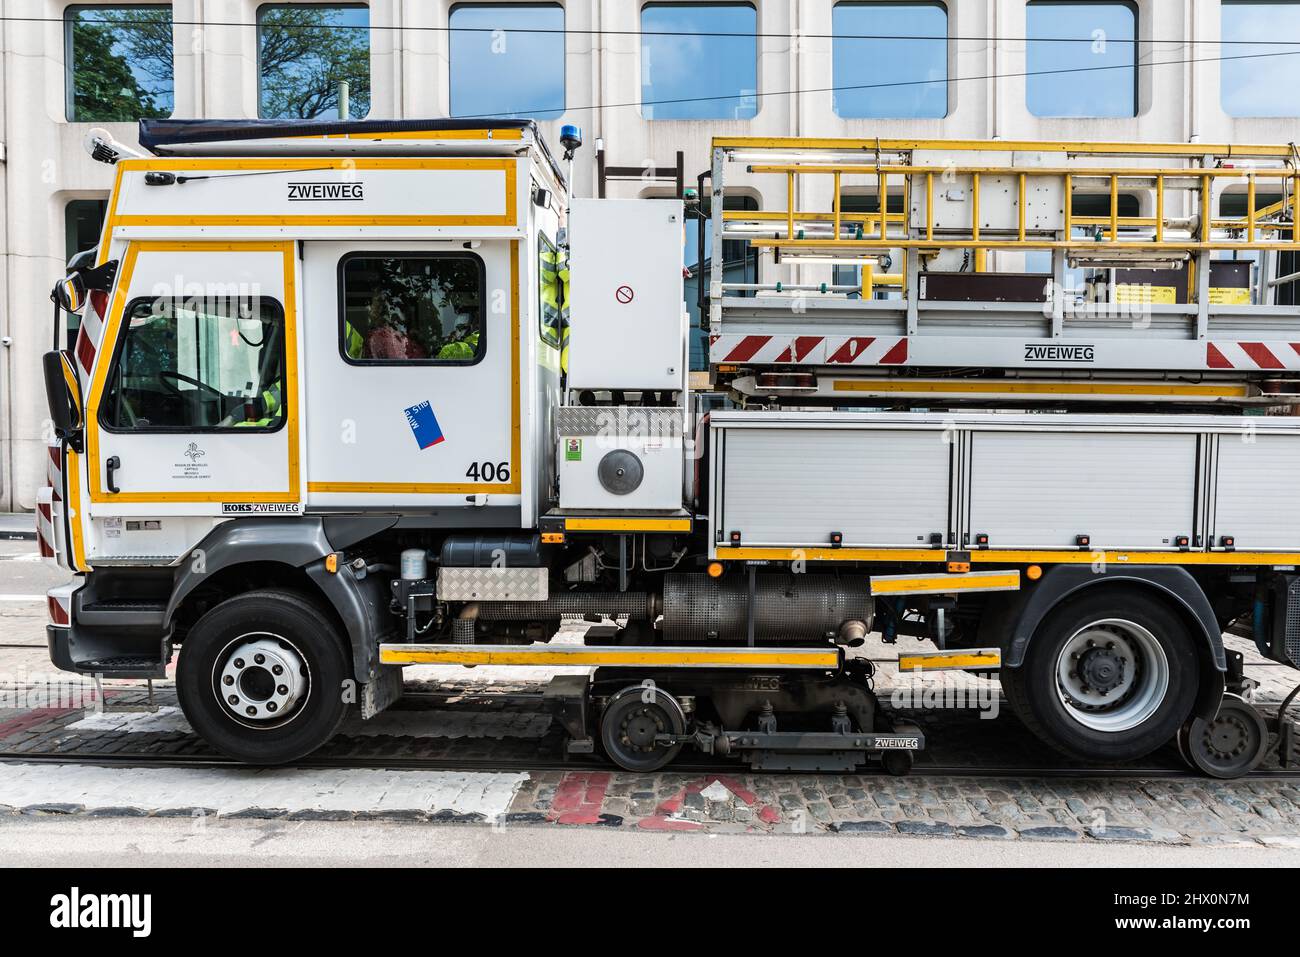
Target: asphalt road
{"points": [[97, 842]]}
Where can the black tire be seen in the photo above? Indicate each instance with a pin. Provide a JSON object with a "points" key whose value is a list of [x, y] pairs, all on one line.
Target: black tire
{"points": [[305, 634], [1035, 695]]}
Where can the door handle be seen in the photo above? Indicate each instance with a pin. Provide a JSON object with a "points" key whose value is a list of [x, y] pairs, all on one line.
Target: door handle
{"points": [[111, 466]]}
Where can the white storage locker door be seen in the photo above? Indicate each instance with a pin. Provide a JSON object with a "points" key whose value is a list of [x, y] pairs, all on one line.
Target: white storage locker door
{"points": [[1031, 489], [1255, 498], [793, 486]]}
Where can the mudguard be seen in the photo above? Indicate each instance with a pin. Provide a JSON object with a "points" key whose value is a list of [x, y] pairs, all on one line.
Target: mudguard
{"points": [[300, 543], [1017, 620]]}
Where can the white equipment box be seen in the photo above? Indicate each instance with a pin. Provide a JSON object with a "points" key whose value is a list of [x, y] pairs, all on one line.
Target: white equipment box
{"points": [[626, 308], [620, 458]]}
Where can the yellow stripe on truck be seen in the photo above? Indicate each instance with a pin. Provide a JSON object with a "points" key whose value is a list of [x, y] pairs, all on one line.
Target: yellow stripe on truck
{"points": [[980, 659], [627, 524], [944, 584], [398, 654]]}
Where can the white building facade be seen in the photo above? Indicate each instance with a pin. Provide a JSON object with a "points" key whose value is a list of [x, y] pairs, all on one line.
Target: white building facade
{"points": [[1179, 80]]}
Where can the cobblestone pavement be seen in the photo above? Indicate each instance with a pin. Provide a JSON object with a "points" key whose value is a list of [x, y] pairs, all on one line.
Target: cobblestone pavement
{"points": [[492, 721], [965, 786]]}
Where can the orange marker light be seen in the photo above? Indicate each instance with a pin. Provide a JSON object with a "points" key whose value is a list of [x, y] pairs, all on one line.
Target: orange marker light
{"points": [[332, 563], [715, 569], [1034, 572]]}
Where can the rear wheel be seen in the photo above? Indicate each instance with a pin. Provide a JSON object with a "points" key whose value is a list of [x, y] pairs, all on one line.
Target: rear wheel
{"points": [[1108, 676], [260, 677]]}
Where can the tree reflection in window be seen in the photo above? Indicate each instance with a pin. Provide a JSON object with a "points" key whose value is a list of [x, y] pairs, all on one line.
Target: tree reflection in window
{"points": [[304, 52], [119, 63]]}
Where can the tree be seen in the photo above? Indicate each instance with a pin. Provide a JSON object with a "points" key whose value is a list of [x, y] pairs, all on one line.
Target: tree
{"points": [[306, 51]]}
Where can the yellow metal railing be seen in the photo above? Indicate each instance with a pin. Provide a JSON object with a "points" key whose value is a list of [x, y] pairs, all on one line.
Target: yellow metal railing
{"points": [[1254, 231]]}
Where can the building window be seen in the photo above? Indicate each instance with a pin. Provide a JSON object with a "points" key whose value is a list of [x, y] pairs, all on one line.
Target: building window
{"points": [[413, 308], [507, 60], [198, 365], [305, 55], [699, 61], [1259, 76], [83, 220], [118, 62], [1081, 58], [890, 60]]}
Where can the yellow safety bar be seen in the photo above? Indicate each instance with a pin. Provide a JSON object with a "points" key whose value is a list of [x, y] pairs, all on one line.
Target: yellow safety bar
{"points": [[1258, 229]]}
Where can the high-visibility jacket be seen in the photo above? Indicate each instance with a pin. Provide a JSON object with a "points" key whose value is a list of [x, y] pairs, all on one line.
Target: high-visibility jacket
{"points": [[352, 340], [555, 300], [460, 349], [270, 408]]}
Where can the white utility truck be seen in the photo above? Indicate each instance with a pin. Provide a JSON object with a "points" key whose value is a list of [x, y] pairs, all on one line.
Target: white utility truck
{"points": [[348, 396]]}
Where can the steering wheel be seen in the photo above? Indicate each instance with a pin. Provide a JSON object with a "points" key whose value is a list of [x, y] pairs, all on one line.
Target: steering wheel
{"points": [[166, 374]]}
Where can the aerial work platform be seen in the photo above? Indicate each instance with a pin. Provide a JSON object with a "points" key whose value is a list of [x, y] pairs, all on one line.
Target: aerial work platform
{"points": [[1078, 269]]}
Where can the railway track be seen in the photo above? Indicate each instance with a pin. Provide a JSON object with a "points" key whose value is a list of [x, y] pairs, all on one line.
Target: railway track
{"points": [[509, 765]]}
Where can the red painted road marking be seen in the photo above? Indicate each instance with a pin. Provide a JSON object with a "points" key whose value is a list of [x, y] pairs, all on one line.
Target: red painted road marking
{"points": [[579, 797], [662, 819], [37, 716]]}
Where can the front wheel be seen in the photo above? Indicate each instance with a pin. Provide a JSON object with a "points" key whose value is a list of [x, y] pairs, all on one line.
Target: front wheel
{"points": [[260, 677], [1107, 677]]}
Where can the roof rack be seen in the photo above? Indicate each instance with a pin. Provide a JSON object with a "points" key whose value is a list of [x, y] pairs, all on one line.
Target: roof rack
{"points": [[465, 136], [1128, 241]]}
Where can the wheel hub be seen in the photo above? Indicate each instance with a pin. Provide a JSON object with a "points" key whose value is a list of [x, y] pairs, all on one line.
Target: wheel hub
{"points": [[1102, 669], [640, 728], [261, 679], [1112, 675], [1227, 737], [1229, 745]]}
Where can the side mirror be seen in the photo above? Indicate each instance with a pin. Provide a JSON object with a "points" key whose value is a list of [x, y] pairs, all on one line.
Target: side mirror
{"points": [[63, 393], [70, 293]]}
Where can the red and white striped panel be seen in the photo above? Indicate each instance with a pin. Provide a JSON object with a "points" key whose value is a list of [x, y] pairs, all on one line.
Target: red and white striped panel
{"points": [[91, 332], [49, 507], [59, 602], [1221, 354], [866, 351], [45, 522], [767, 350]]}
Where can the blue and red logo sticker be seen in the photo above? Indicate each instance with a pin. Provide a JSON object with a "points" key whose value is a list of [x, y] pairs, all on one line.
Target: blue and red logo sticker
{"points": [[424, 425]]}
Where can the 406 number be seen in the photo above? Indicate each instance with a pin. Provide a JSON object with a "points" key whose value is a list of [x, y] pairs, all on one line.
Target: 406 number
{"points": [[489, 471]]}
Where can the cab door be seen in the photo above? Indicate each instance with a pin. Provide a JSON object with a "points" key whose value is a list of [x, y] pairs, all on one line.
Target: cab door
{"points": [[193, 404], [414, 390]]}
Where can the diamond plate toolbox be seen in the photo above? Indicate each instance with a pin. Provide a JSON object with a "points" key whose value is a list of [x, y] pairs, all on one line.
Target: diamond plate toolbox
{"points": [[492, 584]]}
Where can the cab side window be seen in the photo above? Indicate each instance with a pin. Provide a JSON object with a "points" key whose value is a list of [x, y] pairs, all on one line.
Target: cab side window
{"points": [[552, 291], [412, 308], [192, 365]]}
